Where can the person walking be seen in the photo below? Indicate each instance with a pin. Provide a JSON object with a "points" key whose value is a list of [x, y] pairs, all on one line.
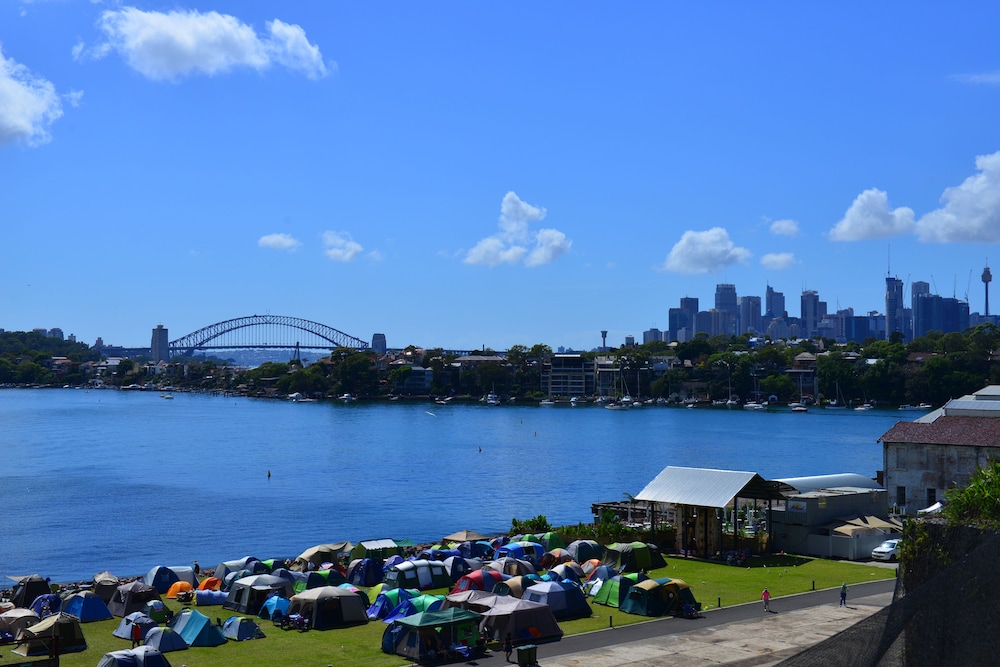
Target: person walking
{"points": [[843, 594], [136, 634], [766, 597]]}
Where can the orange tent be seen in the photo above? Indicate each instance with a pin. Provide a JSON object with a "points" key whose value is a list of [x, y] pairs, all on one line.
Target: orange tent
{"points": [[210, 584], [179, 587]]}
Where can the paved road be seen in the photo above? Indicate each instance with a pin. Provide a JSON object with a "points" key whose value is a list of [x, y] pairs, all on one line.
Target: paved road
{"points": [[742, 635]]}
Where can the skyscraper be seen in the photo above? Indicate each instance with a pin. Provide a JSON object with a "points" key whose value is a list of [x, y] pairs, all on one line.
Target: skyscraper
{"points": [[893, 306], [750, 315], [727, 302], [774, 304], [160, 345], [810, 313]]}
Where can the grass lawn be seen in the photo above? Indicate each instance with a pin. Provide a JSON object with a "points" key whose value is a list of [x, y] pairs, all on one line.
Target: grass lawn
{"points": [[360, 646]]}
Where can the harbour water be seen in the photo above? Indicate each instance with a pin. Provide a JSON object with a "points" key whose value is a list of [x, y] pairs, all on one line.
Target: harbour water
{"points": [[95, 480]]}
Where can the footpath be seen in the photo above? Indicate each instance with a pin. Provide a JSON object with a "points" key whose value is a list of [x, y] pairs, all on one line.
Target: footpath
{"points": [[739, 636]]}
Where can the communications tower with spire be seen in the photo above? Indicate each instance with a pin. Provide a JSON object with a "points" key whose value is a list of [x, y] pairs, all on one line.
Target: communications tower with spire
{"points": [[987, 277]]}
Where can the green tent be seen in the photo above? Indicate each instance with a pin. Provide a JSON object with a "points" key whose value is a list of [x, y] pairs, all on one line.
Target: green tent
{"points": [[657, 597], [429, 636], [633, 557], [613, 591]]}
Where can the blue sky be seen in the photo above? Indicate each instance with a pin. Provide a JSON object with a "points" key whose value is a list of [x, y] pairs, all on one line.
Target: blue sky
{"points": [[486, 174]]}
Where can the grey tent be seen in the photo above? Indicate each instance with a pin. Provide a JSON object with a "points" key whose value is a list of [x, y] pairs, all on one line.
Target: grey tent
{"points": [[140, 656], [329, 607], [526, 622], [17, 619], [313, 557], [131, 597], [165, 640], [105, 585], [27, 588], [124, 629], [247, 594]]}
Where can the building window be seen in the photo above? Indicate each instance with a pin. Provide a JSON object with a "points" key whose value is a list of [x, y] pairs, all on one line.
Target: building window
{"points": [[901, 496], [931, 497]]}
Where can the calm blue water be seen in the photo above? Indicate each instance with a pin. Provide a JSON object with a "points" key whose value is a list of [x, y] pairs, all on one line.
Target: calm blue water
{"points": [[96, 480]]}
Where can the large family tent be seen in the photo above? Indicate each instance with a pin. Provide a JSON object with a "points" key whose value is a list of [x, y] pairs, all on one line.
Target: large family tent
{"points": [[457, 566], [197, 629], [13, 621], [241, 629], [273, 604], [162, 577], [105, 585], [329, 607], [511, 566], [584, 550], [87, 606], [377, 549], [165, 640], [633, 557], [315, 579], [364, 572], [229, 566], [614, 590], [420, 574], [549, 540], [131, 597], [479, 580], [477, 601], [565, 599], [124, 629], [529, 551], [527, 622], [657, 597], [140, 656], [425, 637], [27, 588], [314, 557], [35, 640], [248, 594]]}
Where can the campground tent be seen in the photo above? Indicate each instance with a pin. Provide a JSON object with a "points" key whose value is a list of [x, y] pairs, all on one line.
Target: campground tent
{"points": [[273, 604], [429, 635], [480, 580], [529, 551], [210, 598], [364, 571], [477, 601], [140, 656], [550, 540], [241, 628], [584, 550], [27, 588], [124, 629], [377, 549], [414, 605], [565, 599], [329, 607], [566, 571], [105, 585], [131, 597], [554, 557], [210, 584], [614, 590], [313, 557], [230, 566], [248, 594], [162, 577], [34, 640], [656, 597], [197, 629], [178, 587], [313, 579], [420, 574], [510, 566], [515, 586], [11, 622], [388, 600], [156, 610], [457, 566], [46, 605], [165, 640], [633, 557], [527, 622], [87, 606]]}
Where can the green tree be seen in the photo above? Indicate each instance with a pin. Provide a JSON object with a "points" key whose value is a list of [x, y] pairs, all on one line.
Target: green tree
{"points": [[978, 502]]}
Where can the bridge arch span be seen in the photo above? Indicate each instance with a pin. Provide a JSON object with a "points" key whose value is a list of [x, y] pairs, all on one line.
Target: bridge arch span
{"points": [[203, 338]]}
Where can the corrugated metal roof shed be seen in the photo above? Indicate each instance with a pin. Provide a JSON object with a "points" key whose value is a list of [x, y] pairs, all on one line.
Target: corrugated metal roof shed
{"points": [[702, 487]]}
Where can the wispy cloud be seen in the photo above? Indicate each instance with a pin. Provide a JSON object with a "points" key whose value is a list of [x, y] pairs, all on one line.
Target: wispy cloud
{"points": [[870, 217], [704, 252], [510, 244], [777, 260], [971, 211], [29, 104], [785, 228], [284, 242], [174, 45], [980, 79], [340, 247]]}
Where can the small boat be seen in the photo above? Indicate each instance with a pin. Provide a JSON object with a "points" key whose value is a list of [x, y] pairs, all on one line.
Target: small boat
{"points": [[799, 408], [547, 401], [753, 405], [492, 399], [346, 397], [864, 407], [169, 397]]}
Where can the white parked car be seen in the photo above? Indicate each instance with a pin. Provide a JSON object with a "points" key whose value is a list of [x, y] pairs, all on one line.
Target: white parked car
{"points": [[888, 550]]}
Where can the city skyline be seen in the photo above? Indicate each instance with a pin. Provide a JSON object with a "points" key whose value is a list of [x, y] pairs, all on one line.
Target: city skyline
{"points": [[485, 176]]}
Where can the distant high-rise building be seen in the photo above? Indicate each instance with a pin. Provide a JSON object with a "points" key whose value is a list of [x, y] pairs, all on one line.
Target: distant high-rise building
{"points": [[71, 338], [893, 306], [378, 343], [774, 304], [810, 313], [652, 335], [935, 313], [160, 345], [727, 302], [629, 341], [56, 332], [750, 315]]}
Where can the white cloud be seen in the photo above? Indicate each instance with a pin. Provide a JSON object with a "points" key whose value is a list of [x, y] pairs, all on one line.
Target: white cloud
{"points": [[785, 228], [981, 79], [29, 104], [509, 245], [778, 260], [870, 217], [704, 252], [171, 46], [279, 242], [971, 211], [340, 247], [375, 256], [549, 244]]}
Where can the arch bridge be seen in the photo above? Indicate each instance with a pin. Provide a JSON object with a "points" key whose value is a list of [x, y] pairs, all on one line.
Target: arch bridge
{"points": [[264, 332]]}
